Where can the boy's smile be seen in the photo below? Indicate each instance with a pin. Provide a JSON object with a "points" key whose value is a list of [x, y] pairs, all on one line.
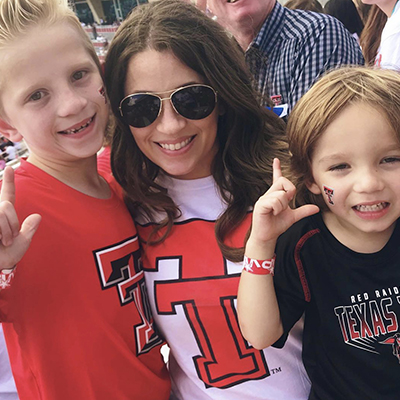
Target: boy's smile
{"points": [[371, 211], [358, 156], [53, 99], [73, 130]]}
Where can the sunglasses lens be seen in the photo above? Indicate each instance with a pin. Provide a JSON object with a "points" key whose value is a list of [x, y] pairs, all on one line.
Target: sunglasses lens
{"points": [[194, 102], [140, 110]]}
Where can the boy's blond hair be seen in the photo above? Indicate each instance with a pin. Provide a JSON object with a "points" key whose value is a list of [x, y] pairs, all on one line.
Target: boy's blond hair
{"points": [[317, 109], [18, 17]]}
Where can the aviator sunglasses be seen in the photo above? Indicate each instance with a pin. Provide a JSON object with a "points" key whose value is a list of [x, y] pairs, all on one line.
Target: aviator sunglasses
{"points": [[192, 102]]}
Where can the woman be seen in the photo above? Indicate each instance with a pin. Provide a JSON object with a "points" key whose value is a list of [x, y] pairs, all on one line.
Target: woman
{"points": [[192, 150], [371, 35], [388, 52]]}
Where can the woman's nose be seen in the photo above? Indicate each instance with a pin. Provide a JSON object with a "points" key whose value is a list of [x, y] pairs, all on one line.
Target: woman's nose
{"points": [[169, 121]]}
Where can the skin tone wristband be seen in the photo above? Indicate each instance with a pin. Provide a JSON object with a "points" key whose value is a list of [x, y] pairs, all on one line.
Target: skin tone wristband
{"points": [[259, 267]]}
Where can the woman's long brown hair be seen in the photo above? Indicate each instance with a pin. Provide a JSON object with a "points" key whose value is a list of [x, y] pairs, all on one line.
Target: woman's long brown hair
{"points": [[371, 35], [248, 136]]}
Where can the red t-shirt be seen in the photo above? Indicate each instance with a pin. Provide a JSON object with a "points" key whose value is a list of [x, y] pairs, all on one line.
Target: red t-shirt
{"points": [[77, 317]]}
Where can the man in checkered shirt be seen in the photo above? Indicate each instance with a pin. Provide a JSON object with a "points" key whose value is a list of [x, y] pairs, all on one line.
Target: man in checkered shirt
{"points": [[286, 50]]}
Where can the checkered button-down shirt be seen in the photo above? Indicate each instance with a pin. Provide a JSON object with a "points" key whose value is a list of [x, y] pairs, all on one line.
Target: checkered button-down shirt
{"points": [[293, 48]]}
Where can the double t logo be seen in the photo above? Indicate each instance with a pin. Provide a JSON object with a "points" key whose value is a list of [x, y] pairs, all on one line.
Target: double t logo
{"points": [[207, 292], [118, 267]]}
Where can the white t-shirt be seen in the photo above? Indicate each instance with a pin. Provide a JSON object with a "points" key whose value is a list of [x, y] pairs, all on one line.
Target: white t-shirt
{"points": [[192, 291], [389, 51]]}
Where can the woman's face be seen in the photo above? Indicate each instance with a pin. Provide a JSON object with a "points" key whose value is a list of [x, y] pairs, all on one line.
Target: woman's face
{"points": [[182, 147]]}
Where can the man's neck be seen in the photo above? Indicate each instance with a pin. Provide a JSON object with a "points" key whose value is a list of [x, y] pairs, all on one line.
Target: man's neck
{"points": [[244, 36]]}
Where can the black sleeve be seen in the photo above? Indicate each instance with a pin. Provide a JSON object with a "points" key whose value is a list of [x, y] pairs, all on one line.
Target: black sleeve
{"points": [[290, 283]]}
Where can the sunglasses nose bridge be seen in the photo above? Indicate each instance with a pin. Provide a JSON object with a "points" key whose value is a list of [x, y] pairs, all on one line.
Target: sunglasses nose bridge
{"points": [[170, 100]]}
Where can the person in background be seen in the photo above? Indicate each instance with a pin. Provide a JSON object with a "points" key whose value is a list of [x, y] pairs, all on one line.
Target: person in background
{"points": [[104, 154], [346, 12], [11, 151], [4, 142], [306, 5], [371, 35], [94, 31], [21, 148], [192, 150], [363, 10], [8, 390], [388, 53], [2, 163], [341, 267], [286, 50], [72, 298]]}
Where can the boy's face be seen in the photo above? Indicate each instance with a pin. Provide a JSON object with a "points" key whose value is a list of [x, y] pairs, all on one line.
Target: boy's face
{"points": [[356, 169], [49, 92]]}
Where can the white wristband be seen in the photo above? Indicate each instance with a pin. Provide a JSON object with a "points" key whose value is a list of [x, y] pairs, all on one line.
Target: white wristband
{"points": [[259, 267]]}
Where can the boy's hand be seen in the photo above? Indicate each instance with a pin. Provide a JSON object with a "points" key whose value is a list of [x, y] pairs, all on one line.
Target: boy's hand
{"points": [[272, 215], [14, 240]]}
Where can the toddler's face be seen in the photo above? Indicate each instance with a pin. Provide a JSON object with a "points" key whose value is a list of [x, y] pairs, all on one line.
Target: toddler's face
{"points": [[356, 169]]}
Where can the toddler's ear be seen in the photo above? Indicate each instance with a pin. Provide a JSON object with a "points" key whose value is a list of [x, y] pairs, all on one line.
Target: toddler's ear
{"points": [[313, 187], [9, 131]]}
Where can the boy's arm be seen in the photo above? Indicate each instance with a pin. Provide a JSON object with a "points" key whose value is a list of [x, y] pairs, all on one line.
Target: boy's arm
{"points": [[258, 310], [14, 239]]}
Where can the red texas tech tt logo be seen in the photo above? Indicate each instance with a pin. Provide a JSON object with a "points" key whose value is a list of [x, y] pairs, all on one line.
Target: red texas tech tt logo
{"points": [[118, 266], [207, 296]]}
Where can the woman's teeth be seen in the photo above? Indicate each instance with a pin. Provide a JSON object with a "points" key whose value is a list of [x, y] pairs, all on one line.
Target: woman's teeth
{"points": [[176, 146], [374, 207], [72, 131]]}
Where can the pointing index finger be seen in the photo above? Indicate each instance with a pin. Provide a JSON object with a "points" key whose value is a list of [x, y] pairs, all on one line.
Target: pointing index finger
{"points": [[276, 170], [7, 192]]}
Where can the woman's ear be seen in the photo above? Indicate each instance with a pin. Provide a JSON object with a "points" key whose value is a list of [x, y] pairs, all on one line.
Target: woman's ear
{"points": [[9, 131]]}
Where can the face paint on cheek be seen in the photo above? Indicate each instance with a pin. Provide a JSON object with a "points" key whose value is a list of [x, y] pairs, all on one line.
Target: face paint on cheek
{"points": [[103, 94], [329, 194]]}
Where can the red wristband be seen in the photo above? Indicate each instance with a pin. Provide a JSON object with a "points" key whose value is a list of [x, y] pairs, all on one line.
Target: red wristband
{"points": [[259, 267], [6, 276]]}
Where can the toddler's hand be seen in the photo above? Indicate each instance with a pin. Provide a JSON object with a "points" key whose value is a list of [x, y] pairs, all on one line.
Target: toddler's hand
{"points": [[272, 215]]}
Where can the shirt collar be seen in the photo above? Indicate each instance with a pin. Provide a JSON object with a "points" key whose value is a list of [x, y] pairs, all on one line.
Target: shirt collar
{"points": [[271, 29]]}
